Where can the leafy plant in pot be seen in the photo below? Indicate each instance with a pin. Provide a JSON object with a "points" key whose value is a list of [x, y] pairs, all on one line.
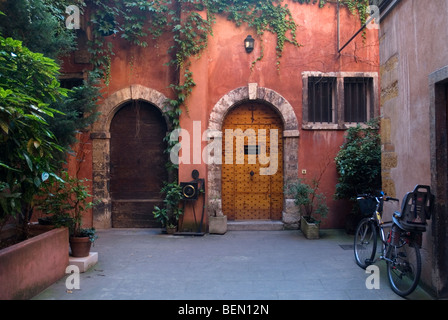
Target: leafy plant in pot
{"points": [[312, 204], [168, 216], [66, 199]]}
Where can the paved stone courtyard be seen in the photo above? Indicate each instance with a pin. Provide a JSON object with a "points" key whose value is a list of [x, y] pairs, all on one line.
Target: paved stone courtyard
{"points": [[144, 264]]}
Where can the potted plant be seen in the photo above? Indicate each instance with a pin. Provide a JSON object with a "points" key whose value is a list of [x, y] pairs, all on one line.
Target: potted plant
{"points": [[168, 216], [65, 200], [312, 205]]}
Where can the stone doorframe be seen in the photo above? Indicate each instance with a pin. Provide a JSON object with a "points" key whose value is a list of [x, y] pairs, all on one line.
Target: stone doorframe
{"points": [[100, 136], [291, 133], [438, 84]]}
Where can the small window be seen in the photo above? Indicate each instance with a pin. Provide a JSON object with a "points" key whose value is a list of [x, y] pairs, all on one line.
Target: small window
{"points": [[338, 100], [321, 99], [70, 83], [357, 93]]}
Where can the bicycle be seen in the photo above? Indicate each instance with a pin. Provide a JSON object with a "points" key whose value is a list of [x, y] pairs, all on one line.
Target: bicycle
{"points": [[401, 245]]}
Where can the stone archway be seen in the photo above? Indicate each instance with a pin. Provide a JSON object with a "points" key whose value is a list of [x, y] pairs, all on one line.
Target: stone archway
{"points": [[291, 134], [100, 136]]}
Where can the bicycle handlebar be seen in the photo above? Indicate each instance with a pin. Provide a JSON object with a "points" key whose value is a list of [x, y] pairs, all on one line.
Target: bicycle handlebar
{"points": [[383, 197], [392, 199]]}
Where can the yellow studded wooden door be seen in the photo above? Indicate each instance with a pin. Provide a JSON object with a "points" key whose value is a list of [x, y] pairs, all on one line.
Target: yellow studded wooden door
{"points": [[252, 169]]}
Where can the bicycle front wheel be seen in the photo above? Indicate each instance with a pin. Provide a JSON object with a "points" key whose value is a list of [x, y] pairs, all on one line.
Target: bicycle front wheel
{"points": [[404, 267], [365, 243]]}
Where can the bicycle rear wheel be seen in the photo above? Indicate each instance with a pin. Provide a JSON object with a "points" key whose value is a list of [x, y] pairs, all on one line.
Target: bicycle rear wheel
{"points": [[365, 243], [404, 267]]}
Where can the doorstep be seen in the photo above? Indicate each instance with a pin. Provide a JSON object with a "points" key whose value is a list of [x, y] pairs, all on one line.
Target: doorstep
{"points": [[255, 225]]}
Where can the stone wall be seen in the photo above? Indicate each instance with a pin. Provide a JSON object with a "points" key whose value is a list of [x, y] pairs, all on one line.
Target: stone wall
{"points": [[413, 46]]}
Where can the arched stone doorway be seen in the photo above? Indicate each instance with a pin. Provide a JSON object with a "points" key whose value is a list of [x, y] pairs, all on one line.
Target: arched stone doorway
{"points": [[137, 164], [100, 135], [290, 149]]}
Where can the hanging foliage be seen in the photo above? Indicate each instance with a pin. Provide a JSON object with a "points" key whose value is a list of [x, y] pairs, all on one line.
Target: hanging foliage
{"points": [[135, 20]]}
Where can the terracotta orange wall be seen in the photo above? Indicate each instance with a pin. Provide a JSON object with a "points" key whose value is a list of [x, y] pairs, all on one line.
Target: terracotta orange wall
{"points": [[144, 66], [130, 65], [79, 164], [225, 66]]}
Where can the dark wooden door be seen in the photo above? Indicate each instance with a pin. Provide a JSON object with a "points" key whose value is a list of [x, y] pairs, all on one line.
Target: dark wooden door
{"points": [[137, 164]]}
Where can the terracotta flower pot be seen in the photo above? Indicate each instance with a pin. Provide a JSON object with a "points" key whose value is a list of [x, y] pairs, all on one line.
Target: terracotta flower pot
{"points": [[80, 246]]}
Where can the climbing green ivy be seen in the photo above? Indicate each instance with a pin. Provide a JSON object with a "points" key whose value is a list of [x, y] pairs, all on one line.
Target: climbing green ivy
{"points": [[262, 16], [135, 20], [358, 6]]}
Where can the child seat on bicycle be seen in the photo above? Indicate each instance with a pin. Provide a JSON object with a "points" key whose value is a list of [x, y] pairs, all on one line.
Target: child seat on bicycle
{"points": [[416, 208]]}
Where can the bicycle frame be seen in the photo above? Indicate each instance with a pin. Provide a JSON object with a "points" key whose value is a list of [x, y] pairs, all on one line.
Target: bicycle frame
{"points": [[400, 243], [382, 225]]}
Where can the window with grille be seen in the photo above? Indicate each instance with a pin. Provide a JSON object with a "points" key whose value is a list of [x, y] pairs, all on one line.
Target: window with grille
{"points": [[70, 83], [338, 100], [321, 99], [357, 93]]}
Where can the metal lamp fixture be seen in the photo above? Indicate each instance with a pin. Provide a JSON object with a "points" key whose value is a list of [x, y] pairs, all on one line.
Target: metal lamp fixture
{"points": [[249, 44]]}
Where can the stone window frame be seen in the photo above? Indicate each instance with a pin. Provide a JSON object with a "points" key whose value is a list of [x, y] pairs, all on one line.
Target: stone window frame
{"points": [[338, 112]]}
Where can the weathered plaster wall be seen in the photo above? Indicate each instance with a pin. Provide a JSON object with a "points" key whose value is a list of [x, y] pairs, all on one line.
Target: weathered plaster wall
{"points": [[413, 44], [224, 67]]}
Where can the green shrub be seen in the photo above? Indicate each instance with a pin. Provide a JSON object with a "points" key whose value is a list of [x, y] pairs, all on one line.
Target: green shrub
{"points": [[312, 204], [28, 84], [359, 162]]}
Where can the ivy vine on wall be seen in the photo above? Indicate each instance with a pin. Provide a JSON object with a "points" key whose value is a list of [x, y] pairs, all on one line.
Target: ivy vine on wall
{"points": [[135, 20], [180, 20]]}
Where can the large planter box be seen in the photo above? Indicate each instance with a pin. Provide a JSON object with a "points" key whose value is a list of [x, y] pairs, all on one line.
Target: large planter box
{"points": [[30, 266], [310, 230], [217, 225]]}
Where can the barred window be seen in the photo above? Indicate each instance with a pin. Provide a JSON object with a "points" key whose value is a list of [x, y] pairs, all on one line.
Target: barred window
{"points": [[357, 92], [338, 100], [321, 99]]}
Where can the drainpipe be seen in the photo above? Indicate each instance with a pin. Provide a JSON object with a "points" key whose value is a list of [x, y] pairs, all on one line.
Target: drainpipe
{"points": [[339, 36]]}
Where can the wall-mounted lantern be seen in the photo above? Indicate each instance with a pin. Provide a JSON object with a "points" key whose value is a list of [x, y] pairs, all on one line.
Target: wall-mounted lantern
{"points": [[249, 44]]}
